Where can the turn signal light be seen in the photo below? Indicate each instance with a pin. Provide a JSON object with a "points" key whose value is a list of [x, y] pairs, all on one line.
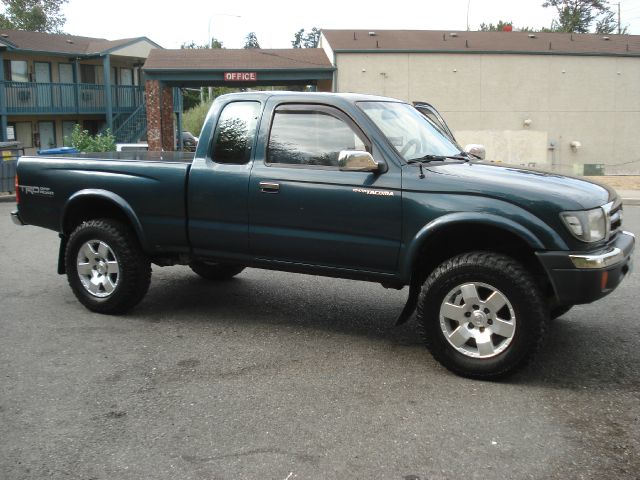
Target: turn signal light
{"points": [[17, 190], [604, 280]]}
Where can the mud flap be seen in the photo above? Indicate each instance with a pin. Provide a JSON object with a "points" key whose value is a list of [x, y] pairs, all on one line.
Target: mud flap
{"points": [[410, 306], [63, 246]]}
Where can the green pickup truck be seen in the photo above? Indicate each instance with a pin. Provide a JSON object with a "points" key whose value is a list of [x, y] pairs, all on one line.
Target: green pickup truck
{"points": [[341, 185]]}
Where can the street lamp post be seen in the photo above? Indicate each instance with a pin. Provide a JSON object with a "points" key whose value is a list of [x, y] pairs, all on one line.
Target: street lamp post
{"points": [[210, 44]]}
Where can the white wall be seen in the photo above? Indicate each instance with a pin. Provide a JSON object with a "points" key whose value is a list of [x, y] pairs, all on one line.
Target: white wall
{"points": [[486, 98]]}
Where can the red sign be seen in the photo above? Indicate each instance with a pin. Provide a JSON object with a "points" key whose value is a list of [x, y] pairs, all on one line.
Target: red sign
{"points": [[240, 76]]}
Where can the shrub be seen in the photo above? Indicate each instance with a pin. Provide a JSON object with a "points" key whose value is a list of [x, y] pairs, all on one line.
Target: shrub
{"points": [[193, 119], [83, 141]]}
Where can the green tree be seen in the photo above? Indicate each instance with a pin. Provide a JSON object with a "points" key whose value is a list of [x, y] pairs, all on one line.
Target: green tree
{"points": [[312, 38], [33, 15], [581, 16], [251, 40], [298, 38], [498, 27]]}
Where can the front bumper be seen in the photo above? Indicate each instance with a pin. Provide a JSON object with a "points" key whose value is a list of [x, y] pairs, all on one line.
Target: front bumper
{"points": [[583, 278], [15, 217]]}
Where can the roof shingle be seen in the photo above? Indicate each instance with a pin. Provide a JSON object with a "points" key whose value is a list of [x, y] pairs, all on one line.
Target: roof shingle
{"points": [[231, 59], [491, 42], [59, 43]]}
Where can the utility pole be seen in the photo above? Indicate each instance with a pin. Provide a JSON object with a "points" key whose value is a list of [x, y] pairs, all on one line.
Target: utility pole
{"points": [[468, 6], [619, 27]]}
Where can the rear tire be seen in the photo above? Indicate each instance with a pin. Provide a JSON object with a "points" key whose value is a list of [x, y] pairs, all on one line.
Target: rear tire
{"points": [[106, 268], [216, 272], [482, 315]]}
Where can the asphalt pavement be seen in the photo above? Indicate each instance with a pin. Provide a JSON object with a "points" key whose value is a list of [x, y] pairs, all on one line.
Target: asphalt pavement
{"points": [[283, 376]]}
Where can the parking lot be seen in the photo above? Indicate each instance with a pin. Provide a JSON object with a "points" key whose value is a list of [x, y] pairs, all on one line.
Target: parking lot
{"points": [[285, 376]]}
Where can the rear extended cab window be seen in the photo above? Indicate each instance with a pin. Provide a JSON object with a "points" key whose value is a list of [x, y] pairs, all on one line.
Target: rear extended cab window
{"points": [[235, 133]]}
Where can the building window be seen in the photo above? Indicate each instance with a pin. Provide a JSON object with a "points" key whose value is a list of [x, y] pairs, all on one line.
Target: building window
{"points": [[310, 137], [16, 71], [88, 74]]}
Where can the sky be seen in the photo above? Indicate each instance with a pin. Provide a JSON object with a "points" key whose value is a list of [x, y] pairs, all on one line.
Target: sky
{"points": [[171, 24]]}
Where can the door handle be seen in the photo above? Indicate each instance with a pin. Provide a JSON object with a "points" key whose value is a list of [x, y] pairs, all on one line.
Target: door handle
{"points": [[268, 187]]}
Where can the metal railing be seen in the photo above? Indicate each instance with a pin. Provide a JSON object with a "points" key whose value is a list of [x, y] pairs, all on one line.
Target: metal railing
{"points": [[31, 97]]}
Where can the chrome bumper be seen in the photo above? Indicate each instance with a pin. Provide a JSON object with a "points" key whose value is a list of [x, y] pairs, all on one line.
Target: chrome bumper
{"points": [[15, 217], [602, 260]]}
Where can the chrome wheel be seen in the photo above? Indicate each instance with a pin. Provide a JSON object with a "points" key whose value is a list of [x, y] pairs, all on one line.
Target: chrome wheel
{"points": [[98, 268], [477, 320]]}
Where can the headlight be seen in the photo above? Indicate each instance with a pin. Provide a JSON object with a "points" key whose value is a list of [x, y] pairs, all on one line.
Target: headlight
{"points": [[588, 226]]}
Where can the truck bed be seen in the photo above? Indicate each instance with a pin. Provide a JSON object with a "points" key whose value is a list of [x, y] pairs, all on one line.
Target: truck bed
{"points": [[151, 184]]}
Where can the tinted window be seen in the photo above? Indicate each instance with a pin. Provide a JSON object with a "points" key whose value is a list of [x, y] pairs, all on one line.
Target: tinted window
{"points": [[310, 137], [235, 133]]}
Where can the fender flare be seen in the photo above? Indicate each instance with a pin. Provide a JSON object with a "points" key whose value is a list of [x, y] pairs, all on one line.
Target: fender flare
{"points": [[448, 220], [116, 200]]}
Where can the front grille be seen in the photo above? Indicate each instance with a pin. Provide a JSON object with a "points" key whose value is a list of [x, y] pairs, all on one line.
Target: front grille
{"points": [[615, 219]]}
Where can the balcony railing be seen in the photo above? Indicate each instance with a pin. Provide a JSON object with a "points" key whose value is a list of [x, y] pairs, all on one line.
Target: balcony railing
{"points": [[32, 98]]}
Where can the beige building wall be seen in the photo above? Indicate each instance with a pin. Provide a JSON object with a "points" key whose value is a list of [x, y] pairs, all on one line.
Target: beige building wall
{"points": [[526, 109]]}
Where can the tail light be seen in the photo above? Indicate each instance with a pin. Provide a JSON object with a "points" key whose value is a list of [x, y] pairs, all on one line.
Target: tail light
{"points": [[17, 190]]}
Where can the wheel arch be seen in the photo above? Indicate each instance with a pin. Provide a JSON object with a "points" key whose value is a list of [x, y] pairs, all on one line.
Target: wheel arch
{"points": [[459, 232], [95, 203]]}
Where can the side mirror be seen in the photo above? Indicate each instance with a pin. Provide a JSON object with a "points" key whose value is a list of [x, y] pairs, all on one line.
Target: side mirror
{"points": [[476, 150], [358, 161]]}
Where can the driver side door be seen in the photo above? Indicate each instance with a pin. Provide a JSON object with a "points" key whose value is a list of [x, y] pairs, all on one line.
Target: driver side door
{"points": [[304, 210]]}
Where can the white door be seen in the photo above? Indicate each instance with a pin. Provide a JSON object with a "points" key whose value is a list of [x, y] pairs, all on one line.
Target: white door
{"points": [[67, 90], [126, 90], [47, 135], [43, 75]]}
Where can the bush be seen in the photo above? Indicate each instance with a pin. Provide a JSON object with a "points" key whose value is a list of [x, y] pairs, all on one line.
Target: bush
{"points": [[83, 141], [193, 119]]}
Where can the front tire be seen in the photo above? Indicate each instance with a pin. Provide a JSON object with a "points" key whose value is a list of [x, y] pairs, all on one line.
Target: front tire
{"points": [[106, 268], [482, 315]]}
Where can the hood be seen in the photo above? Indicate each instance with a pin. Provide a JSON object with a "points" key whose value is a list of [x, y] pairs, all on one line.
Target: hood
{"points": [[530, 189]]}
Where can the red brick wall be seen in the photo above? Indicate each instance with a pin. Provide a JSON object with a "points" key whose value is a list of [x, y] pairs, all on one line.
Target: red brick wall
{"points": [[168, 132], [152, 91], [160, 130]]}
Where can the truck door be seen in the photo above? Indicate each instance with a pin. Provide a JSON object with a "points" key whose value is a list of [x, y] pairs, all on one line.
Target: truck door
{"points": [[303, 209], [218, 185]]}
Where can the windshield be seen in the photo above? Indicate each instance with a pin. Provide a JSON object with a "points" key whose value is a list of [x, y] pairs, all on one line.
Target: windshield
{"points": [[412, 135]]}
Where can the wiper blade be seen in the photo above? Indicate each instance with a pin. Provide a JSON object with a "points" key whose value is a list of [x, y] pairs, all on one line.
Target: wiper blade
{"points": [[431, 158]]}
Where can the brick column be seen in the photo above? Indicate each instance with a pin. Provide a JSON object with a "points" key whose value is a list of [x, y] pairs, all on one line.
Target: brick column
{"points": [[168, 133], [154, 118]]}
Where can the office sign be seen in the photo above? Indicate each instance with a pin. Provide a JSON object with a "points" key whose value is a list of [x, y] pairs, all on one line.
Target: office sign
{"points": [[240, 76]]}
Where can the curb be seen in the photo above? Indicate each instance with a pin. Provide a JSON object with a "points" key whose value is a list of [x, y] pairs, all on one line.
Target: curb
{"points": [[8, 198]]}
